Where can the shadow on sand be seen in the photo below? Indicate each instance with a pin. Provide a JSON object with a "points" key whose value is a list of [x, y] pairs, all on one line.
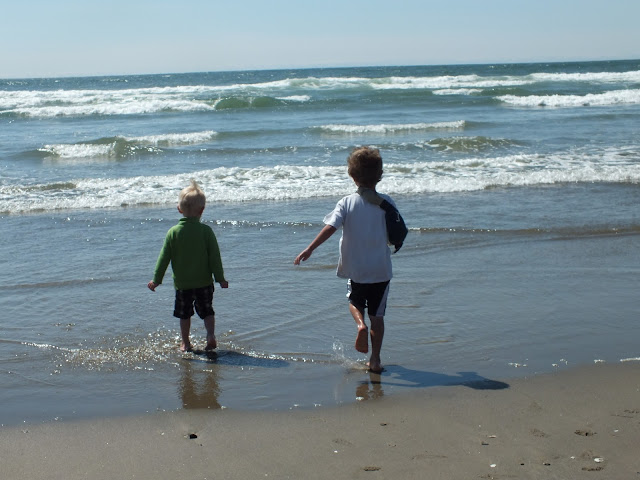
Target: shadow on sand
{"points": [[231, 357], [396, 375], [401, 377]]}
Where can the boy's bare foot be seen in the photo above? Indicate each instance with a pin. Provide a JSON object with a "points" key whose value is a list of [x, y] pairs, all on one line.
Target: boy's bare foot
{"points": [[375, 367], [362, 340], [185, 347], [212, 343]]}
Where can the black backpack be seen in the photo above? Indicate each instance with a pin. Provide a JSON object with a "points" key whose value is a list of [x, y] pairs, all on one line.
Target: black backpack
{"points": [[396, 228]]}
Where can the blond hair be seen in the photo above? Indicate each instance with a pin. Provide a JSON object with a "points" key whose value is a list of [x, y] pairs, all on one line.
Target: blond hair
{"points": [[192, 200]]}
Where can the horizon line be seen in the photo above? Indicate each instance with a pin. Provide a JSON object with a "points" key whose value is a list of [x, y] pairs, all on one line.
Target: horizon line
{"points": [[317, 67]]}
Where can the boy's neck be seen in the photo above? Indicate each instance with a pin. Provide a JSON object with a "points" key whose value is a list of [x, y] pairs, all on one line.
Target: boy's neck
{"points": [[370, 187], [370, 195]]}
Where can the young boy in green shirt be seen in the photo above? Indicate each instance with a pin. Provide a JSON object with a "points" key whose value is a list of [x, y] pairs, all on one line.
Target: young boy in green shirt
{"points": [[192, 249]]}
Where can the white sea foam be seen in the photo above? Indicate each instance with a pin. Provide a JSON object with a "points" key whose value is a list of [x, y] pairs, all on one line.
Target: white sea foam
{"points": [[391, 83], [295, 98], [446, 82], [457, 91], [437, 82], [80, 150], [193, 98], [175, 139], [392, 128], [596, 77], [125, 107], [103, 102], [283, 182], [432, 82], [125, 145], [615, 97]]}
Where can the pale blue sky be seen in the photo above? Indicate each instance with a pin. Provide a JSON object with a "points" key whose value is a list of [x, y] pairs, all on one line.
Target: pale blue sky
{"points": [[73, 37]]}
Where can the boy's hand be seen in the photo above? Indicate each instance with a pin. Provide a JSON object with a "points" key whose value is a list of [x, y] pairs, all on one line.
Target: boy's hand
{"points": [[323, 236], [224, 284], [152, 285], [304, 255]]}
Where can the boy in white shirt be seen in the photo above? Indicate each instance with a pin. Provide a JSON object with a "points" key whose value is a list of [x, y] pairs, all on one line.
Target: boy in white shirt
{"points": [[365, 258]]}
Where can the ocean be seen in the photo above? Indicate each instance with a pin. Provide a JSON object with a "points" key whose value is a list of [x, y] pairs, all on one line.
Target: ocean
{"points": [[519, 184]]}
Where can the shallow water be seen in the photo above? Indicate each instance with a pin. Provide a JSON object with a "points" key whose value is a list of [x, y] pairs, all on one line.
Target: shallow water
{"points": [[466, 304], [521, 256]]}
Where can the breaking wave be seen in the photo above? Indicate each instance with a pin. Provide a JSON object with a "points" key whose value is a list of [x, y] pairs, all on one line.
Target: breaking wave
{"points": [[47, 103], [283, 182], [616, 97], [390, 128], [118, 147]]}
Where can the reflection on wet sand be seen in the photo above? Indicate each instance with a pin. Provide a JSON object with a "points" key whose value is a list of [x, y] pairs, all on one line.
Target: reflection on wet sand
{"points": [[199, 388], [370, 389], [199, 383]]}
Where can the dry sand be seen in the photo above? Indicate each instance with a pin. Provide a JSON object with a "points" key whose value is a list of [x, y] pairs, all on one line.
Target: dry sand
{"points": [[577, 424]]}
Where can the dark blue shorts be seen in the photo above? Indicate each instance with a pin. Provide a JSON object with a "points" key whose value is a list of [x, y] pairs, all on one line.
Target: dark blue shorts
{"points": [[372, 296], [201, 298]]}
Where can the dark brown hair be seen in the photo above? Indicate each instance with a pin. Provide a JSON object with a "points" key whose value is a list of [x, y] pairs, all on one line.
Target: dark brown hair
{"points": [[365, 166]]}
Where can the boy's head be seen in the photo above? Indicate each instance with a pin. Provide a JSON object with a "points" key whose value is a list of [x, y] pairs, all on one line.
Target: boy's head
{"points": [[365, 166], [191, 200]]}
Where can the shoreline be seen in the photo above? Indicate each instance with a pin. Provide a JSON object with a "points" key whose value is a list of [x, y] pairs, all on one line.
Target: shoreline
{"points": [[568, 424]]}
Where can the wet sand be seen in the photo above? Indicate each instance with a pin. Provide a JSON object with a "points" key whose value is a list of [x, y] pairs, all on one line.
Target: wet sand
{"points": [[579, 423]]}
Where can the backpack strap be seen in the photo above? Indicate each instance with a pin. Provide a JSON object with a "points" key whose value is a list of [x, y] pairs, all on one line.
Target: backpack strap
{"points": [[396, 228]]}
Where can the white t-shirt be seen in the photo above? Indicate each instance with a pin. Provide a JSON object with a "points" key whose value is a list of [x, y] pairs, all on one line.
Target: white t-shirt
{"points": [[364, 254]]}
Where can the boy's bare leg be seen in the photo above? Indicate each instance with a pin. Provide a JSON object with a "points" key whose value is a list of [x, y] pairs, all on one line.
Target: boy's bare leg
{"points": [[362, 339], [185, 328], [210, 325], [377, 334]]}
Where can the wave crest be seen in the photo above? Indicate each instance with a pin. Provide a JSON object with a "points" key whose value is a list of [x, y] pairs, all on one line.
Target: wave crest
{"points": [[390, 128], [615, 97], [120, 147], [47, 103], [470, 144], [283, 182]]}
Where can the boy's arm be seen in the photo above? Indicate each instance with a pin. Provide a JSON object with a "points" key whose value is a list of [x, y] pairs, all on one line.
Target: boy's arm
{"points": [[161, 265], [215, 261], [322, 237]]}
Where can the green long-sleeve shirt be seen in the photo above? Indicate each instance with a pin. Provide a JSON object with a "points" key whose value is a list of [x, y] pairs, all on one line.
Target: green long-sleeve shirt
{"points": [[192, 249]]}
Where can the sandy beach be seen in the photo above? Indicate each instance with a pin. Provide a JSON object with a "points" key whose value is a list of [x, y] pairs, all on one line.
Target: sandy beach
{"points": [[578, 423]]}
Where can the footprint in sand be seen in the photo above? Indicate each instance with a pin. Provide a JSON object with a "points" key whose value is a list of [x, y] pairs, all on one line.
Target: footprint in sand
{"points": [[585, 433], [427, 456], [535, 407], [590, 456], [628, 413], [342, 441], [587, 455]]}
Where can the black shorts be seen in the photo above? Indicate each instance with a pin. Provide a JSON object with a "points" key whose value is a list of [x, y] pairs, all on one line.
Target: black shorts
{"points": [[201, 297], [372, 296]]}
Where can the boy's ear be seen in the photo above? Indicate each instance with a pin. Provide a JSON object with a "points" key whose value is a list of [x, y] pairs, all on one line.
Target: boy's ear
{"points": [[179, 209]]}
